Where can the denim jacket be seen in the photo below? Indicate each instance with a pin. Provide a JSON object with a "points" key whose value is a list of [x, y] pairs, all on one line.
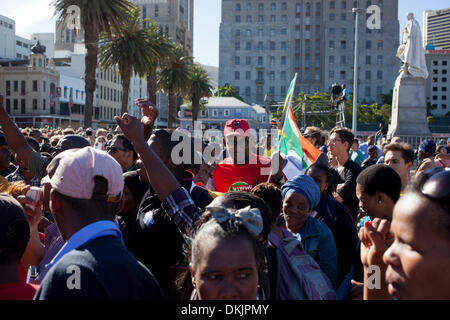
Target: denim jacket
{"points": [[318, 242]]}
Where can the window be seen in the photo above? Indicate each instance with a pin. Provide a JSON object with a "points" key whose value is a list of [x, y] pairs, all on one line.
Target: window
{"points": [[331, 59], [238, 32], [156, 10], [332, 31], [16, 86], [16, 104], [44, 86], [283, 45], [444, 106], [368, 44], [307, 62], [22, 87], [297, 34], [249, 19], [444, 97], [272, 32], [247, 75], [283, 75], [237, 61], [248, 91], [444, 62], [248, 46], [23, 106], [272, 18], [380, 74], [308, 7], [331, 45], [435, 89], [8, 87], [343, 44], [435, 71], [260, 18], [248, 61], [368, 92], [444, 71], [283, 18], [331, 74], [260, 61], [35, 85], [259, 90], [283, 31], [317, 62], [238, 18], [343, 17], [284, 6], [444, 79], [379, 60], [273, 6], [331, 17], [226, 112], [368, 59], [272, 91], [343, 60], [215, 110], [238, 7], [260, 76], [298, 8], [380, 44], [283, 90], [342, 75], [272, 45], [317, 75], [444, 89], [260, 45], [237, 45], [368, 75], [332, 5], [297, 47], [8, 105], [35, 104], [297, 62], [272, 75], [236, 75], [260, 32], [435, 97], [435, 63], [249, 6]]}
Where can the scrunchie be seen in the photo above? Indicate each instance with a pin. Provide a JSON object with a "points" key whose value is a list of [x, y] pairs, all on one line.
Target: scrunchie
{"points": [[249, 218]]}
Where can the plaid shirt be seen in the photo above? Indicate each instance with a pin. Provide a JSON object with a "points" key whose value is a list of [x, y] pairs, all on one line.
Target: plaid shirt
{"points": [[182, 210], [17, 176]]}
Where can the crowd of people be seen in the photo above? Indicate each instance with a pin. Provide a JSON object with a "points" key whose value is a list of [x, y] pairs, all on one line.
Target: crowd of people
{"points": [[109, 214]]}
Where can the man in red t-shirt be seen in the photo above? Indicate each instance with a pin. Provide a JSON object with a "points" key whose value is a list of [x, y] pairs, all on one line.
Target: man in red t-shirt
{"points": [[242, 170], [14, 236]]}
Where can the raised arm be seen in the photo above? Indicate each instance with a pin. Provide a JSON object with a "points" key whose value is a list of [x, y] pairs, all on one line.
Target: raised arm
{"points": [[14, 137], [176, 201]]}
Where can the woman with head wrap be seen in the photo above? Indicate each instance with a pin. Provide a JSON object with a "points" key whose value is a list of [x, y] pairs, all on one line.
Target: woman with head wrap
{"points": [[300, 195]]}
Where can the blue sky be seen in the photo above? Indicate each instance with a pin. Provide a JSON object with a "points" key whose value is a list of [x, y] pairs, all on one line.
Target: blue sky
{"points": [[36, 16]]}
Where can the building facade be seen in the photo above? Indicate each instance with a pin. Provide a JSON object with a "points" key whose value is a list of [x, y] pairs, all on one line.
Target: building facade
{"points": [[31, 93], [263, 44], [66, 38], [437, 85], [23, 47], [7, 38], [436, 28]]}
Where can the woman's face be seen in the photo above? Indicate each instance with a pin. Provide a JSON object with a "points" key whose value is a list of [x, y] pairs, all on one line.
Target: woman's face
{"points": [[320, 178], [419, 259], [226, 270], [295, 211]]}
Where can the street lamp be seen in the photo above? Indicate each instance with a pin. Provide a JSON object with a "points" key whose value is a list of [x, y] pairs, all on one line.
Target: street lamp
{"points": [[357, 11]]}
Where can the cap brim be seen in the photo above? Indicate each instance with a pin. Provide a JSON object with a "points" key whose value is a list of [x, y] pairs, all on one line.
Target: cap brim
{"points": [[45, 179]]}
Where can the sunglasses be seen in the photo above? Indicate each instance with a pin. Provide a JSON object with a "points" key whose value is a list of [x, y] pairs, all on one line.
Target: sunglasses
{"points": [[437, 185], [113, 149]]}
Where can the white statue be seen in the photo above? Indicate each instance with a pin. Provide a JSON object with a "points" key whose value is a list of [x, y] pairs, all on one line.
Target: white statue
{"points": [[411, 51]]}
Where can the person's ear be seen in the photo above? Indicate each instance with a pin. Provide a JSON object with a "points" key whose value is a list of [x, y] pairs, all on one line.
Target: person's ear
{"points": [[409, 166], [55, 202]]}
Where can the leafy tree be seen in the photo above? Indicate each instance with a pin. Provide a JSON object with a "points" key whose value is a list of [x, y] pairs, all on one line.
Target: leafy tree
{"points": [[198, 87], [228, 91], [96, 17]]}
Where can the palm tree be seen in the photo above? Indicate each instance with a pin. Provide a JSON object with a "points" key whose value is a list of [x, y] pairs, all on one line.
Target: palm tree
{"points": [[127, 50], [173, 78], [161, 44], [96, 16], [198, 88]]}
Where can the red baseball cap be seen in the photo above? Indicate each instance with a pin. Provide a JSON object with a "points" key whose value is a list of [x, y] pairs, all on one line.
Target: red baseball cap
{"points": [[238, 127]]}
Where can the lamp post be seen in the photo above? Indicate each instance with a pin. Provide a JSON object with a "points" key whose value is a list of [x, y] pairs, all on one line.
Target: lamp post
{"points": [[357, 11]]}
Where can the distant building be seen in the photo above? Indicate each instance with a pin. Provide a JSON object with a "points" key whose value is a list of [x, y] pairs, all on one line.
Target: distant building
{"points": [[31, 93], [437, 84], [47, 40], [221, 109], [23, 47], [263, 44], [213, 73], [436, 28], [7, 38]]}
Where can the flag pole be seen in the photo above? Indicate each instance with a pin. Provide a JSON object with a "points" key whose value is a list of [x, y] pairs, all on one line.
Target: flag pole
{"points": [[286, 114]]}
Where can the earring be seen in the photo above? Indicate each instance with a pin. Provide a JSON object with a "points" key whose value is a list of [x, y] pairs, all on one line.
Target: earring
{"points": [[379, 201]]}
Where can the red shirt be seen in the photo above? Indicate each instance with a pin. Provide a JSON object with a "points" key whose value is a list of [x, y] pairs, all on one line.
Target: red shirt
{"points": [[17, 291], [245, 177]]}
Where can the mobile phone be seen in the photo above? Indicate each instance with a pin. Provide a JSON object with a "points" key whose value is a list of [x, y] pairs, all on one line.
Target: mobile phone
{"points": [[35, 194]]}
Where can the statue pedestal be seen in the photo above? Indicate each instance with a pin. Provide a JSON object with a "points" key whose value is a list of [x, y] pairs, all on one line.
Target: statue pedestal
{"points": [[409, 108]]}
